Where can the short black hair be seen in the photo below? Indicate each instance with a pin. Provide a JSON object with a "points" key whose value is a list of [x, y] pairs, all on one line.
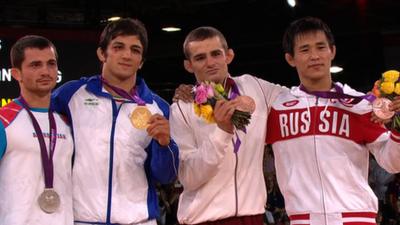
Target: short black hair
{"points": [[17, 53], [303, 26], [123, 27], [200, 34]]}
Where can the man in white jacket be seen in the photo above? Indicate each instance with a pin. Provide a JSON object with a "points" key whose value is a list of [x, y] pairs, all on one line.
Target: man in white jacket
{"points": [[322, 138], [35, 143], [221, 186]]}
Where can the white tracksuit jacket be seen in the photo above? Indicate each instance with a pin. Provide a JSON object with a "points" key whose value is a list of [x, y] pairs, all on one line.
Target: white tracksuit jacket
{"points": [[21, 170], [217, 182]]}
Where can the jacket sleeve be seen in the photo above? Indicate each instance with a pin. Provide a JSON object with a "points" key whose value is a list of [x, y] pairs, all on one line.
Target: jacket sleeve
{"points": [[61, 96], [270, 91], [383, 144], [198, 161], [386, 149], [3, 140], [164, 161]]}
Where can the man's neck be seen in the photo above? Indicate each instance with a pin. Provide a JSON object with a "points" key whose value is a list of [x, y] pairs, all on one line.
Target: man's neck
{"points": [[317, 85], [125, 84], [37, 100]]}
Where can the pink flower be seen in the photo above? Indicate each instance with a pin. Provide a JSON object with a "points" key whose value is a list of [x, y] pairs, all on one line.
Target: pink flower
{"points": [[210, 91], [201, 94]]}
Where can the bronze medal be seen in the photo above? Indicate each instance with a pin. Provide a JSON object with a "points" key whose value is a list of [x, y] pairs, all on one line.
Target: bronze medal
{"points": [[380, 106], [49, 200], [247, 104], [140, 117]]}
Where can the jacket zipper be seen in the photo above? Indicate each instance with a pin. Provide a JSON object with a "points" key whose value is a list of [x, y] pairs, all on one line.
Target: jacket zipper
{"points": [[317, 160], [235, 180]]}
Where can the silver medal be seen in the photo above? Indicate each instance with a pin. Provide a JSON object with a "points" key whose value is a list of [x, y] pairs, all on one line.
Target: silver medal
{"points": [[49, 200]]}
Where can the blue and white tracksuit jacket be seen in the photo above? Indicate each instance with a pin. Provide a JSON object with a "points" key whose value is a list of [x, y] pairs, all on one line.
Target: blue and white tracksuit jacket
{"points": [[116, 165]]}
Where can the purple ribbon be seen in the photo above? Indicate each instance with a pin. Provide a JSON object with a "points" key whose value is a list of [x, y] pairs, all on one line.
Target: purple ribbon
{"points": [[338, 94], [133, 95], [47, 161], [231, 84]]}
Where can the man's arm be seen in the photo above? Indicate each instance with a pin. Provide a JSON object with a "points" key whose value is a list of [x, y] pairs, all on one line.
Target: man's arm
{"points": [[164, 151], [270, 91], [201, 156], [3, 140], [386, 147]]}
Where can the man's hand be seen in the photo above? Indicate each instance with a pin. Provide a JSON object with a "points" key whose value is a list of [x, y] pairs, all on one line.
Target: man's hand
{"points": [[223, 112], [394, 106], [183, 93], [159, 129]]}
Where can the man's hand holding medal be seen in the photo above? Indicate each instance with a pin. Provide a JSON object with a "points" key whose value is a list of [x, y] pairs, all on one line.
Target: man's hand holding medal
{"points": [[386, 106], [157, 126]]}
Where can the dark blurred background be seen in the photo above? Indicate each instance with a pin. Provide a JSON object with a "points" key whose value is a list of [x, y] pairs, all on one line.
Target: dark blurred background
{"points": [[367, 36]]}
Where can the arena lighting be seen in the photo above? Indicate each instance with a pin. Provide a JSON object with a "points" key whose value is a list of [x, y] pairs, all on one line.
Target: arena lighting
{"points": [[292, 3], [171, 29], [336, 69], [114, 18]]}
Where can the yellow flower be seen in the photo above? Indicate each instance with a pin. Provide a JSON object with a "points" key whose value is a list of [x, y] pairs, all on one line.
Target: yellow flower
{"points": [[397, 88], [207, 113], [197, 109], [219, 88], [387, 87], [391, 76]]}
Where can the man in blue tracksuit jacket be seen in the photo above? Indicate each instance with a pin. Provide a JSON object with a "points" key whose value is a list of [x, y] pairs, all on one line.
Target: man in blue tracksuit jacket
{"points": [[121, 133]]}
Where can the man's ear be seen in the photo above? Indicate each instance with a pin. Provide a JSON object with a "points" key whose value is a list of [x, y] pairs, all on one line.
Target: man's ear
{"points": [[188, 65], [333, 50], [230, 54], [141, 64], [16, 74], [290, 60], [100, 55]]}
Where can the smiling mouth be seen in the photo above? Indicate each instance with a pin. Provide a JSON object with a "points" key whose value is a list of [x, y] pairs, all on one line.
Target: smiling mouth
{"points": [[315, 66], [125, 65], [213, 71], [45, 81]]}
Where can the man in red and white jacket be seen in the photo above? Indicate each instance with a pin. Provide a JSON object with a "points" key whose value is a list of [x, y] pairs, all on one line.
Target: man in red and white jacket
{"points": [[322, 144]]}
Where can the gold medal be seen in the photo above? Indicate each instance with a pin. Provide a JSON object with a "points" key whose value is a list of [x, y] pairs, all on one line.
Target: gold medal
{"points": [[140, 117], [49, 201]]}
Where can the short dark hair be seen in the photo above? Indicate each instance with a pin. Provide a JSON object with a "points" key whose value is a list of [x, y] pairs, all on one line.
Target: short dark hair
{"points": [[17, 53], [200, 34], [303, 26], [123, 27]]}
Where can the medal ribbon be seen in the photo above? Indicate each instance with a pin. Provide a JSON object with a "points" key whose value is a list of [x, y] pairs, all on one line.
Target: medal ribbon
{"points": [[231, 85], [47, 160], [133, 95], [338, 94]]}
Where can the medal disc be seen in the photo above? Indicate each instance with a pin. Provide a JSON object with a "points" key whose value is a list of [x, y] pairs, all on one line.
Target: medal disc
{"points": [[49, 201], [247, 104], [380, 106], [139, 117]]}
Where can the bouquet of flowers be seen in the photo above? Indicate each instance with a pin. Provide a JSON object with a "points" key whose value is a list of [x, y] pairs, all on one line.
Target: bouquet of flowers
{"points": [[207, 93], [386, 89]]}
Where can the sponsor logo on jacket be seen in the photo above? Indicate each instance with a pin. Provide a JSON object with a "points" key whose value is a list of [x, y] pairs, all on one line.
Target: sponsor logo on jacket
{"points": [[91, 101], [47, 135]]}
